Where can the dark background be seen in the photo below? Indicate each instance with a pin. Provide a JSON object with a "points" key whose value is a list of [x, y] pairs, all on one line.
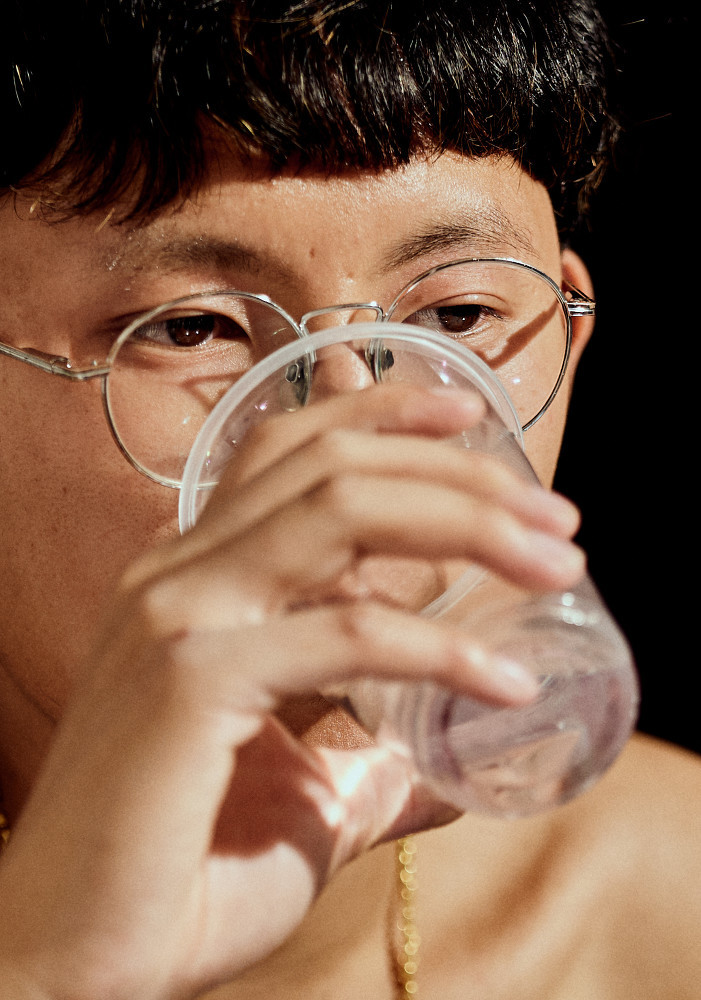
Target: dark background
{"points": [[631, 445]]}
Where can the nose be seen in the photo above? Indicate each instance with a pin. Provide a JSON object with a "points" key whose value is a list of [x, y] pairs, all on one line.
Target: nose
{"points": [[341, 367]]}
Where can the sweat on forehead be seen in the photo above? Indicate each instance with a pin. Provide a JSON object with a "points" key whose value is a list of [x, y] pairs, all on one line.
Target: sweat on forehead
{"points": [[433, 207]]}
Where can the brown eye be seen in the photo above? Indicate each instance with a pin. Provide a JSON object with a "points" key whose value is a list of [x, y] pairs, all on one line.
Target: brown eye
{"points": [[457, 320], [189, 331]]}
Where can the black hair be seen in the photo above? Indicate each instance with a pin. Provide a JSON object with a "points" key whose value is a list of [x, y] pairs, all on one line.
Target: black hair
{"points": [[103, 98]]}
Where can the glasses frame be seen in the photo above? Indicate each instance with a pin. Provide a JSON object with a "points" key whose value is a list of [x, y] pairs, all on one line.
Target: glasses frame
{"points": [[578, 304]]}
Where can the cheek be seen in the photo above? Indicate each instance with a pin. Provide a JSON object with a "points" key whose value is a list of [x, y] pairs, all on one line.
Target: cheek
{"points": [[543, 440], [74, 515]]}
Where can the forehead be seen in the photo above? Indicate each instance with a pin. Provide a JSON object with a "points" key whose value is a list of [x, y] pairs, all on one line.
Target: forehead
{"points": [[331, 236], [490, 205]]}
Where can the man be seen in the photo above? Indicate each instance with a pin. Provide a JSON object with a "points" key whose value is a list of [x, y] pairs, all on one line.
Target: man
{"points": [[183, 803]]}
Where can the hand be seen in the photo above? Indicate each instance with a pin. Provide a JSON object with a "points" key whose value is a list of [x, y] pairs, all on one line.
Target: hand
{"points": [[179, 832]]}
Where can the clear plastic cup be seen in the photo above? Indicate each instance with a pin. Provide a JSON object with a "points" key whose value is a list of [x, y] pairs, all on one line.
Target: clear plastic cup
{"points": [[502, 761]]}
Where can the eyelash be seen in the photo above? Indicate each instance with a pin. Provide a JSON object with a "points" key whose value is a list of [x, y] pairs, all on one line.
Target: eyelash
{"points": [[420, 317], [186, 331]]}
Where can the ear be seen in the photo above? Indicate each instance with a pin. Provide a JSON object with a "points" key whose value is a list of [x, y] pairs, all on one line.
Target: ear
{"points": [[575, 271]]}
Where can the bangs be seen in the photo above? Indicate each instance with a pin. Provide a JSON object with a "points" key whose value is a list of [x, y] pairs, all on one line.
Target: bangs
{"points": [[118, 102]]}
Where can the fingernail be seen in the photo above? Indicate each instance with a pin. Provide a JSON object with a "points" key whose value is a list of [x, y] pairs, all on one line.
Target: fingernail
{"points": [[518, 682], [471, 401], [559, 551], [505, 680], [566, 516]]}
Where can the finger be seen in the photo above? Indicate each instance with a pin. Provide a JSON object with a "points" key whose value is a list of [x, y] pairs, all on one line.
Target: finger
{"points": [[383, 409], [313, 648], [299, 552], [336, 452]]}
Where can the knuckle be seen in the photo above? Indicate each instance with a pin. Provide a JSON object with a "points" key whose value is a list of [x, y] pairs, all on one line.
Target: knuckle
{"points": [[492, 474], [334, 450], [403, 399], [358, 624], [507, 530], [159, 611], [338, 496], [258, 438], [180, 664], [151, 645], [174, 676], [493, 530]]}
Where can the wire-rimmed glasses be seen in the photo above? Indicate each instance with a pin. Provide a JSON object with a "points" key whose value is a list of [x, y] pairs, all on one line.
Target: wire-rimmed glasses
{"points": [[168, 368]]}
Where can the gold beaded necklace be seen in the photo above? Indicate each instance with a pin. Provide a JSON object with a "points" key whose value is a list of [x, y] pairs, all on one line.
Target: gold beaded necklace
{"points": [[4, 831], [406, 932]]}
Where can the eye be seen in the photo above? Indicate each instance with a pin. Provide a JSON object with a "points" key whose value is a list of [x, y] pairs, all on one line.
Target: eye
{"points": [[190, 331], [456, 321]]}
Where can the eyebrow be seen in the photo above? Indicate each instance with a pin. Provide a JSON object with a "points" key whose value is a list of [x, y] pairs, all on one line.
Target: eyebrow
{"points": [[210, 252], [469, 233], [475, 234]]}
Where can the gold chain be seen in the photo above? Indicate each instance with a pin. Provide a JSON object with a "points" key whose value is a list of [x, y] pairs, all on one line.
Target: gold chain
{"points": [[4, 831], [407, 957]]}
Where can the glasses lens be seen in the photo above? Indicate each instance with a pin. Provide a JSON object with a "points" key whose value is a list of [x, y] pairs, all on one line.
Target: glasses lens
{"points": [[170, 369], [506, 313]]}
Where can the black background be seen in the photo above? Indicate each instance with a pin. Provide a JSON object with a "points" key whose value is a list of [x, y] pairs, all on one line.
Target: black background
{"points": [[631, 445]]}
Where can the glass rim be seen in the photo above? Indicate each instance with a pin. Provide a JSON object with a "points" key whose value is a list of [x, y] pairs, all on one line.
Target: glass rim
{"points": [[464, 360]]}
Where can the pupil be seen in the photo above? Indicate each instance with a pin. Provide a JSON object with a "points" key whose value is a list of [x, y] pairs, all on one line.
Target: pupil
{"points": [[188, 331], [458, 319]]}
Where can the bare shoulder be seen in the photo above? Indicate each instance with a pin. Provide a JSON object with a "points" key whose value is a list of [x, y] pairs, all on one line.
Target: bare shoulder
{"points": [[652, 794], [645, 818], [611, 881]]}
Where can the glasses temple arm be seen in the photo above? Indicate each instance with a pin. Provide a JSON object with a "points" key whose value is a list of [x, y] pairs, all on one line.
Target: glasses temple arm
{"points": [[580, 304], [54, 364]]}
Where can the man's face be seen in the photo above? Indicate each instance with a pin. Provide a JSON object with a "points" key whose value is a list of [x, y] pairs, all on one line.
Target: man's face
{"points": [[75, 513]]}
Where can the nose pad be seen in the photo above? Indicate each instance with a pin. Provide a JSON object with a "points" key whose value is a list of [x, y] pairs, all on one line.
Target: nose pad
{"points": [[379, 359], [297, 384]]}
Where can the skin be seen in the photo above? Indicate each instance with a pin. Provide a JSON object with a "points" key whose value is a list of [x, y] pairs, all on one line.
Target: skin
{"points": [[145, 677]]}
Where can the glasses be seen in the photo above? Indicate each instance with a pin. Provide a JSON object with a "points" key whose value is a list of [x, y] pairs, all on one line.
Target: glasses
{"points": [[166, 371]]}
